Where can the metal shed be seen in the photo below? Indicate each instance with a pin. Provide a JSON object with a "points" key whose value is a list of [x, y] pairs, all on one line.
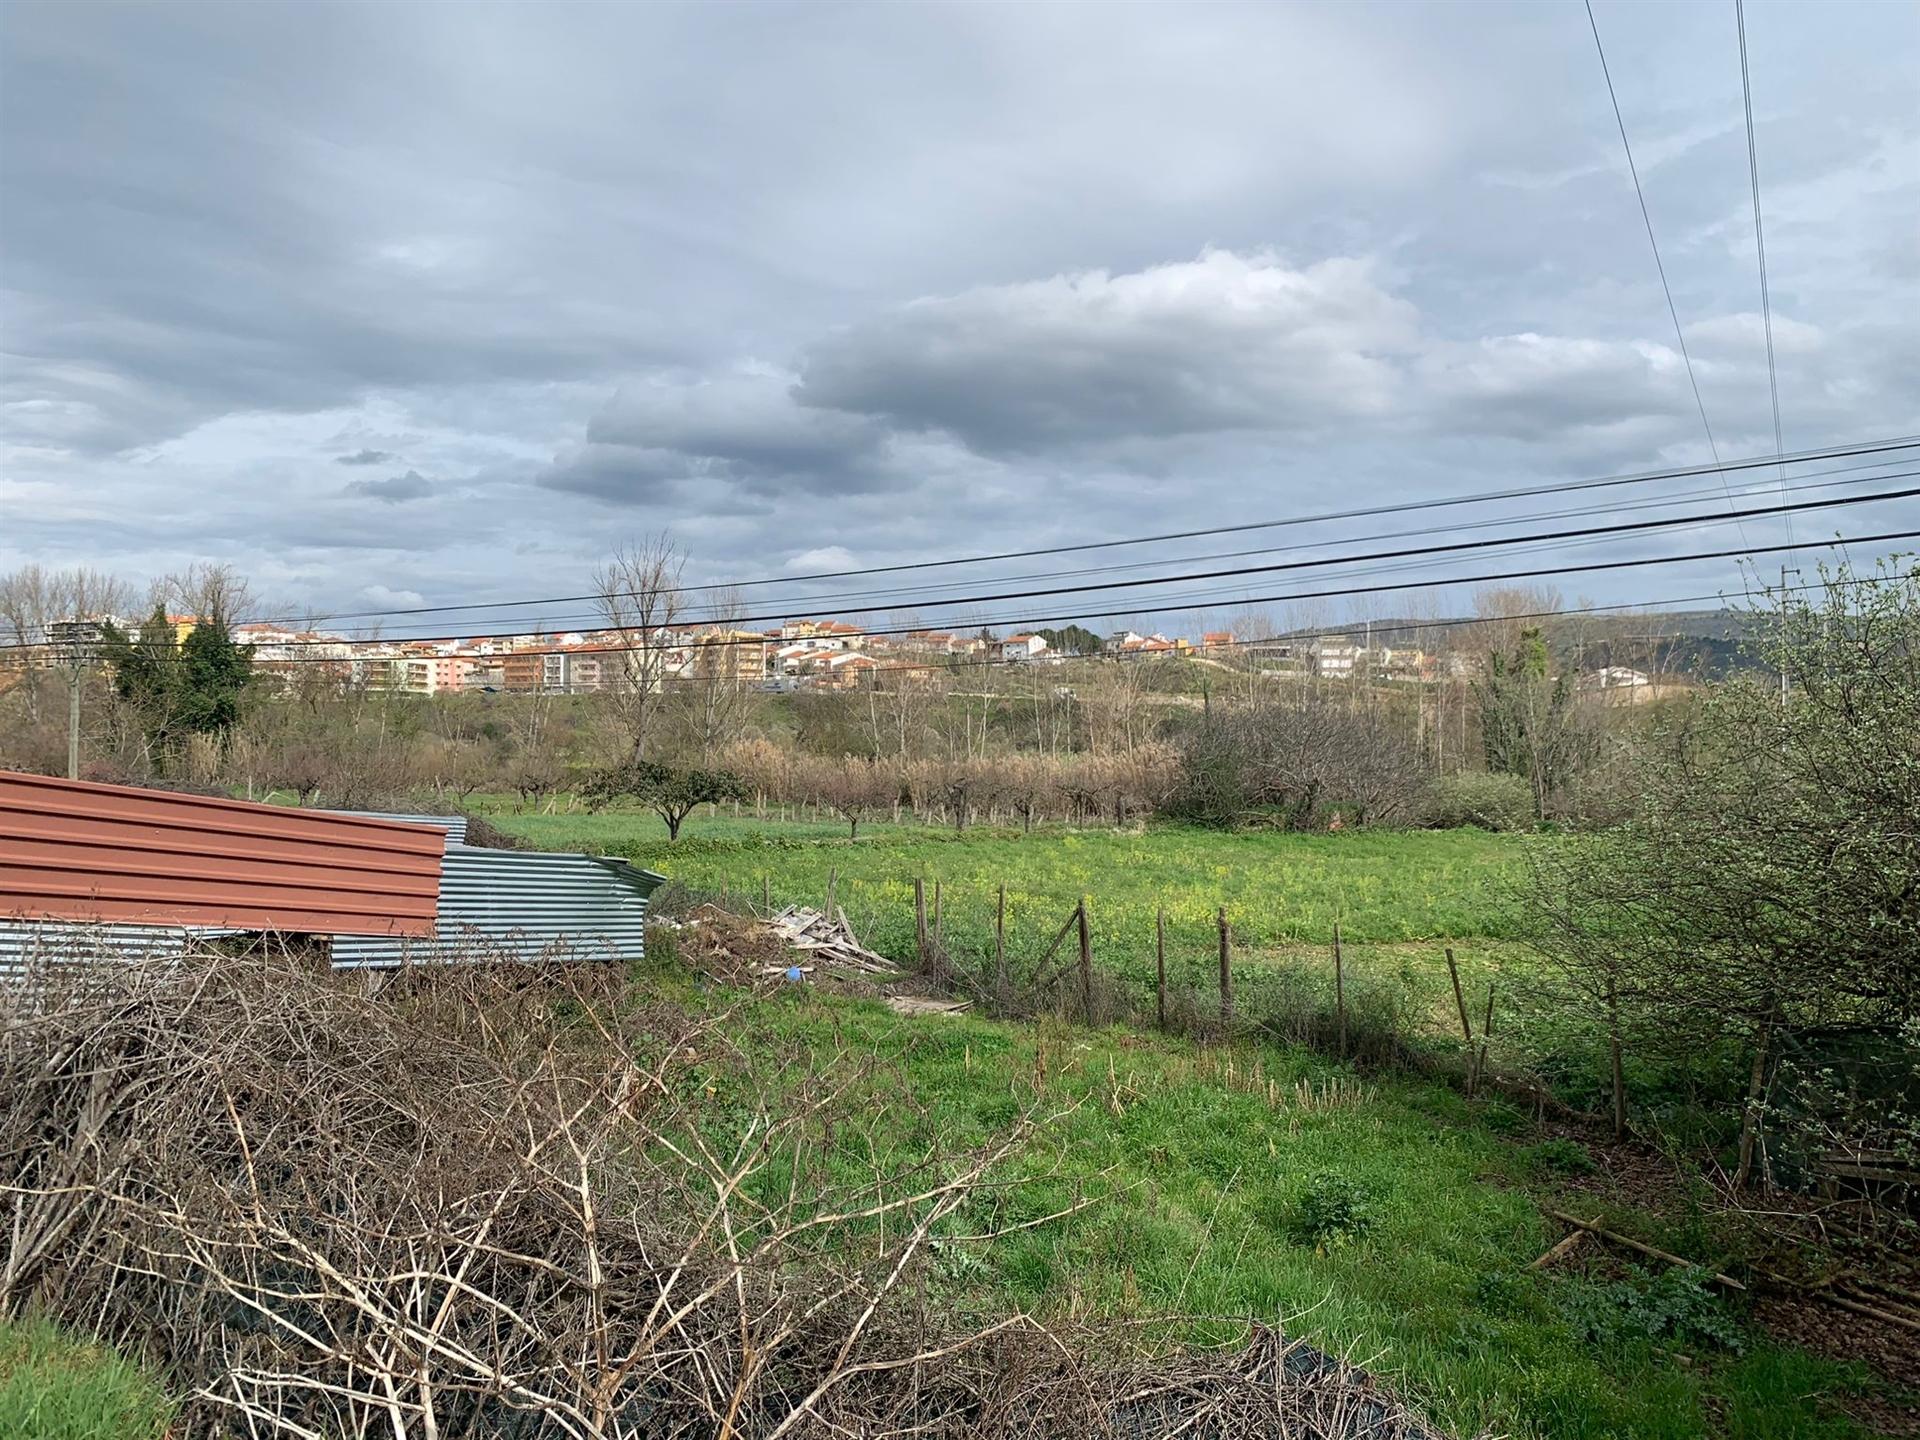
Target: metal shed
{"points": [[486, 905], [522, 905], [78, 852]]}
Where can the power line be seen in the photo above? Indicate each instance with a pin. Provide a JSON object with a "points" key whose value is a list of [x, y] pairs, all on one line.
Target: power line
{"points": [[1720, 467], [1646, 217], [1452, 548], [1034, 622], [906, 597], [1759, 235]]}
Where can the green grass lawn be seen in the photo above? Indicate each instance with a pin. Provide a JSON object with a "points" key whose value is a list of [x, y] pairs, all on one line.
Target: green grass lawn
{"points": [[56, 1388], [1203, 1158]]}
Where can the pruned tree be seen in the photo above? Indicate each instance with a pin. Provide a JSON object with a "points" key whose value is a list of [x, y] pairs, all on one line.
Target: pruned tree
{"points": [[670, 792], [852, 788]]}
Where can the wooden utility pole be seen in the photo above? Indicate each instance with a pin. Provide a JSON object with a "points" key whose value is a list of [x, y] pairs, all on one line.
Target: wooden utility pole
{"points": [[1226, 968]]}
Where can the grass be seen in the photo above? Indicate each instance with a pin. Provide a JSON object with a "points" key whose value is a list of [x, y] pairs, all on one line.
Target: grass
{"points": [[53, 1387], [1400, 898], [1278, 889], [1204, 1157]]}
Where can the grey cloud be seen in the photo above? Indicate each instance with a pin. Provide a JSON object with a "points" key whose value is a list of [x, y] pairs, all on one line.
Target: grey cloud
{"points": [[1224, 342], [739, 433], [364, 457], [410, 486], [968, 232]]}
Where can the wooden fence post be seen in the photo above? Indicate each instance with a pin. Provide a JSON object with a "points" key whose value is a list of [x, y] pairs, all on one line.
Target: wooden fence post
{"points": [[1000, 945], [1486, 1032], [1086, 965], [766, 897], [920, 918], [1226, 969], [939, 927], [1160, 962], [1466, 1025], [1340, 989], [833, 874]]}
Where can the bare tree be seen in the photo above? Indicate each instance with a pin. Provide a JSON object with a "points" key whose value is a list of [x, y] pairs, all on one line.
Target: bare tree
{"points": [[639, 596], [710, 704]]}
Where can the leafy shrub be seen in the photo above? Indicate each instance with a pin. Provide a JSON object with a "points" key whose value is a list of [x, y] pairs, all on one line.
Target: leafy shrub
{"points": [[1557, 1157], [1489, 801], [1673, 1306], [1332, 1212]]}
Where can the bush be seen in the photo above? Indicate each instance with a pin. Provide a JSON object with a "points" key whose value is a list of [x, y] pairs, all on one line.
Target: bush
{"points": [[1673, 1306], [1333, 1212], [1489, 801], [1557, 1157]]}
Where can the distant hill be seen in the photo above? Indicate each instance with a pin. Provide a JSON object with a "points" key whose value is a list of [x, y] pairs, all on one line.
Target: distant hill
{"points": [[1703, 644]]}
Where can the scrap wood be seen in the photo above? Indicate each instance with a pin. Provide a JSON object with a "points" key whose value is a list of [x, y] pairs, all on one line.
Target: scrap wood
{"points": [[1564, 1247], [924, 1005], [1900, 1315], [1645, 1249], [829, 939]]}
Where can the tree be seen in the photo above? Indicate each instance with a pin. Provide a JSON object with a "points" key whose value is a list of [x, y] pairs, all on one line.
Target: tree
{"points": [[638, 592], [671, 793], [1767, 884], [175, 688], [1530, 723], [1072, 640], [852, 788]]}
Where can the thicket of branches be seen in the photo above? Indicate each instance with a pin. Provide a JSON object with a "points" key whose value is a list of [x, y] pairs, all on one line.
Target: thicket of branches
{"points": [[440, 1210], [1764, 892]]}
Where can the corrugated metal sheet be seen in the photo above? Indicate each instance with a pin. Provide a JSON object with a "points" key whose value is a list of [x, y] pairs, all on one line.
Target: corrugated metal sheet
{"points": [[454, 825], [80, 852], [523, 905]]}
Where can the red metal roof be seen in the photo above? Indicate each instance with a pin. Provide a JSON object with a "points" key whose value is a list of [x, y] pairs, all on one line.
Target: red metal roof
{"points": [[72, 850]]}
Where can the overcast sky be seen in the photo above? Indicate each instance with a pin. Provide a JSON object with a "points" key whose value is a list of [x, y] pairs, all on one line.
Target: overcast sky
{"points": [[437, 302]]}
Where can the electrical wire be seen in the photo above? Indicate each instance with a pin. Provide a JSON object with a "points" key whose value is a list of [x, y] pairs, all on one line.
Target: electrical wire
{"points": [[1760, 237], [1452, 548], [1034, 622], [1646, 216], [1831, 452]]}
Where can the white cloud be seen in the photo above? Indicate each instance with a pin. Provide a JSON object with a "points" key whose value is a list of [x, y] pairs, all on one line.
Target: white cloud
{"points": [[824, 557]]}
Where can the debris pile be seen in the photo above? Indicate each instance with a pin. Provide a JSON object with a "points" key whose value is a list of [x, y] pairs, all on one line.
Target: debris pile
{"points": [[796, 945], [828, 943]]}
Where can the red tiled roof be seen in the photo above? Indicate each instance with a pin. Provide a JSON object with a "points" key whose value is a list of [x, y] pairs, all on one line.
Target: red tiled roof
{"points": [[75, 851]]}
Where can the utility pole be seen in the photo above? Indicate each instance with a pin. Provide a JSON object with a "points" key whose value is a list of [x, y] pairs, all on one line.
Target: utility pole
{"points": [[1784, 572], [75, 638]]}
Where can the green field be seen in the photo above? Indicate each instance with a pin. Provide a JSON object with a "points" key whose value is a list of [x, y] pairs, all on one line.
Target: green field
{"points": [[1202, 1159], [1400, 898], [1204, 1155]]}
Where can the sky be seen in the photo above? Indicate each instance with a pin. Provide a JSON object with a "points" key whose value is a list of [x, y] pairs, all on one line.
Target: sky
{"points": [[403, 305]]}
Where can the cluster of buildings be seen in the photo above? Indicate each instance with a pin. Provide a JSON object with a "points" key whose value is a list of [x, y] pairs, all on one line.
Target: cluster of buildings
{"points": [[797, 655], [801, 654]]}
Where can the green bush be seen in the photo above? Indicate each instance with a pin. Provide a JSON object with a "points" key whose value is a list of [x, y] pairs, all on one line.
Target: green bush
{"points": [[1674, 1306], [1557, 1157], [1332, 1212], [1488, 801]]}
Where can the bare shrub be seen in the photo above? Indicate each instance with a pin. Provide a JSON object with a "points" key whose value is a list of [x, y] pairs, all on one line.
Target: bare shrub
{"points": [[478, 1201]]}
